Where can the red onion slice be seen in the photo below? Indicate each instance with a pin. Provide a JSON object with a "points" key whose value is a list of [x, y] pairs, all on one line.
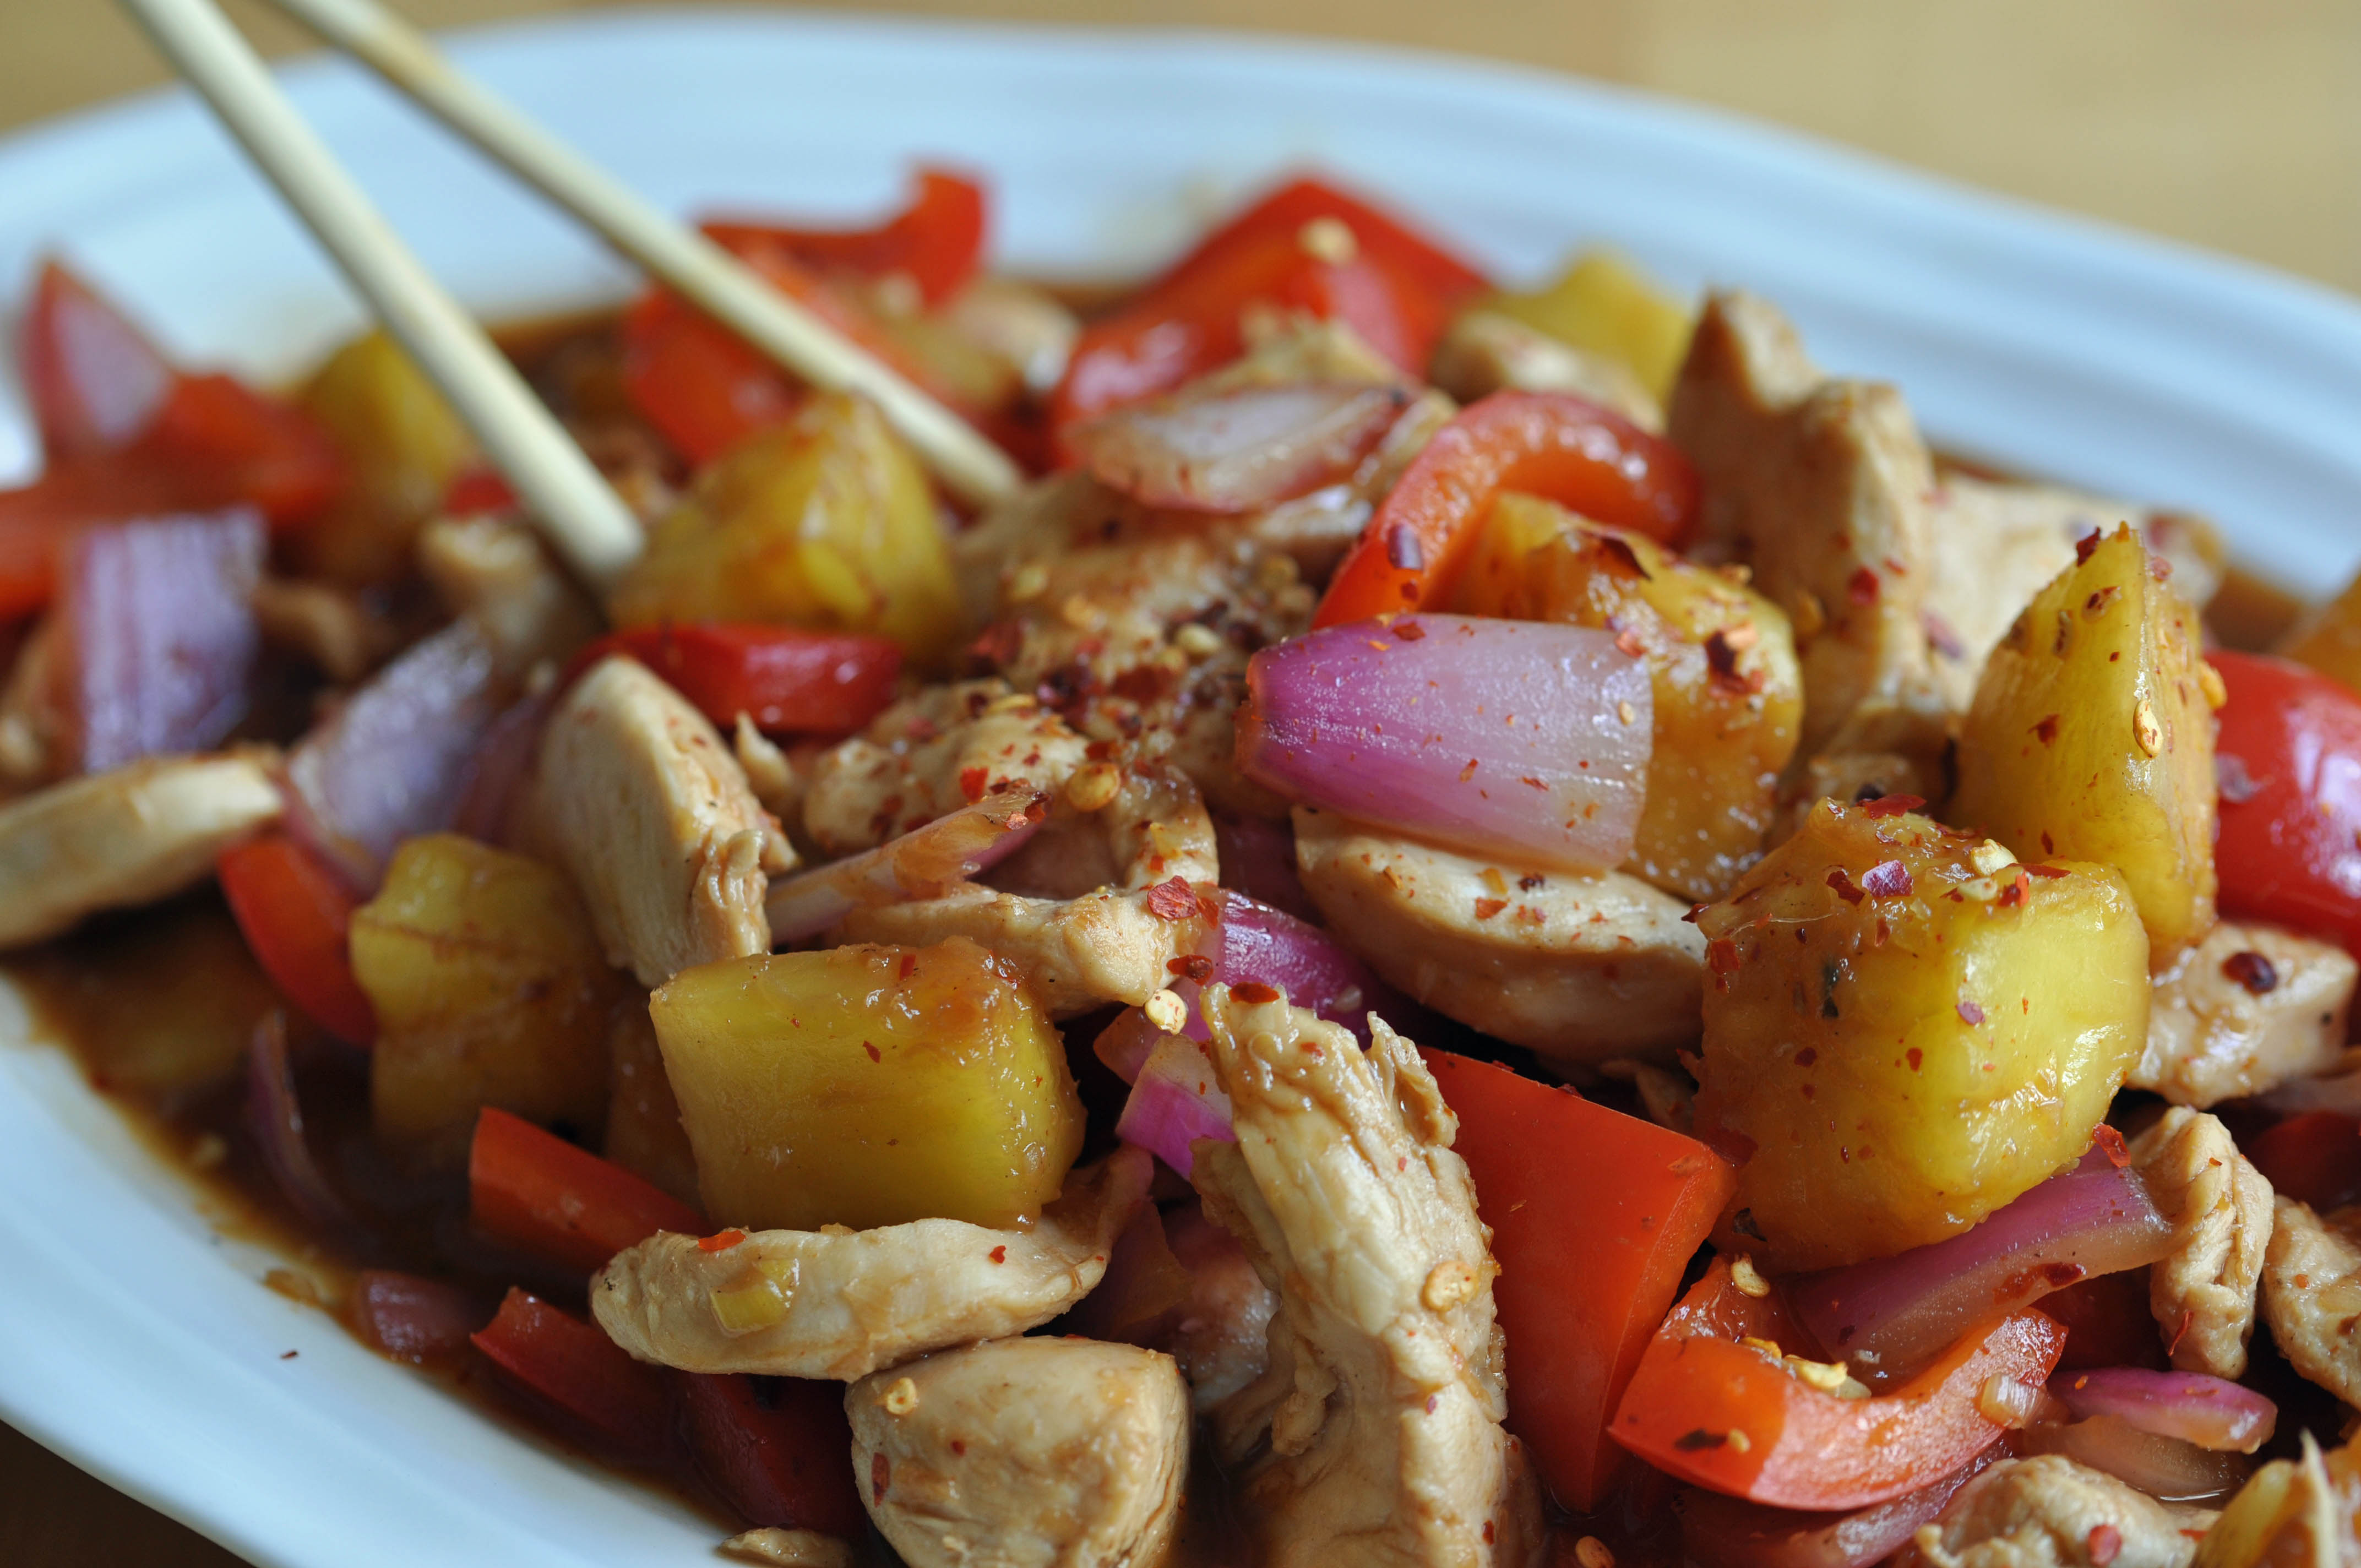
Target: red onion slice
{"points": [[1176, 1100], [1890, 1315], [394, 762], [1237, 449], [1512, 738], [276, 1119], [500, 768], [1257, 858], [157, 635], [2163, 1467], [922, 864], [2211, 1412], [95, 380], [409, 1317], [1730, 1533]]}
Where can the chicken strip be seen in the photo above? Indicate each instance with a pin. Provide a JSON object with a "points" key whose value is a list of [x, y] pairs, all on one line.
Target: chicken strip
{"points": [[1577, 968], [2204, 1293], [496, 569], [124, 838], [2248, 1009], [2311, 1294], [1374, 1437], [647, 808], [2050, 1512], [1025, 1453], [842, 1303]]}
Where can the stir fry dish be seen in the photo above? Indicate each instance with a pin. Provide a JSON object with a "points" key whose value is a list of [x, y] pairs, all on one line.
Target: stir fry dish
{"points": [[1484, 928]]}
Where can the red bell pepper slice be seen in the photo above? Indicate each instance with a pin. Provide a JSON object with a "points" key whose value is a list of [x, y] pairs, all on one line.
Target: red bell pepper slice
{"points": [[701, 387], [1594, 1216], [778, 1450], [1553, 444], [541, 1195], [573, 1367], [788, 679], [296, 914], [938, 240], [95, 380], [2290, 752], [1395, 289], [1731, 1419], [2313, 1158]]}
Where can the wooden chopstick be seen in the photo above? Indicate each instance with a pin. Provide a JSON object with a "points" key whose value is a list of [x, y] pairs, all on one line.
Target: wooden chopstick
{"points": [[585, 520], [715, 282]]}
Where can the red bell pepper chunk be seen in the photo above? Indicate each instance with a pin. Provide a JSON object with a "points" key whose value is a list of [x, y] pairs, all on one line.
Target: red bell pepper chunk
{"points": [[1733, 1418], [1553, 444], [296, 914], [586, 1377], [701, 387], [2290, 755], [95, 380], [778, 1450], [938, 240], [2313, 1158], [541, 1195], [1395, 289], [824, 682], [476, 490], [1594, 1215]]}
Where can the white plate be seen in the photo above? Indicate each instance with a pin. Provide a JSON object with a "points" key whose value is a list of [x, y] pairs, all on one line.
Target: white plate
{"points": [[137, 1344]]}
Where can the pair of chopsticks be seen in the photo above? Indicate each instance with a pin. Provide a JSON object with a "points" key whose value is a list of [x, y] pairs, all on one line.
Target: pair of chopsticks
{"points": [[586, 521]]}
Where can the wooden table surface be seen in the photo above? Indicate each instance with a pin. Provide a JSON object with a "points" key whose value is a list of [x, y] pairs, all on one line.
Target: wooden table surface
{"points": [[2233, 126]]}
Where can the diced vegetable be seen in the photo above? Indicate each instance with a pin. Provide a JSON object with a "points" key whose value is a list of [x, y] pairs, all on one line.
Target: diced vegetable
{"points": [[1906, 1029], [825, 522], [543, 1195], [869, 1086], [1730, 1533], [2160, 1467], [274, 1115], [1605, 304], [2189, 1406], [1237, 448], [1722, 661], [1145, 1289], [1553, 444], [2092, 738], [410, 1317], [294, 912], [490, 989], [777, 1449], [403, 447], [2330, 640], [1741, 1420], [1501, 738], [581, 1374], [813, 682], [703, 388], [95, 380], [1176, 1099], [2313, 1158], [1594, 1215], [919, 864], [937, 241], [2290, 759]]}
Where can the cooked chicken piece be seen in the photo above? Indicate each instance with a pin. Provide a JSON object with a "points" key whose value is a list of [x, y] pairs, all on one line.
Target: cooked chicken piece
{"points": [[1088, 908], [789, 1547], [770, 771], [842, 1303], [1578, 968], [2203, 1294], [2311, 1294], [1373, 1436], [2050, 1512], [1485, 352], [1025, 1453], [124, 838], [328, 627], [646, 805], [1223, 1342], [497, 570], [32, 742], [2304, 1512], [2245, 1011], [1822, 486], [1666, 1096]]}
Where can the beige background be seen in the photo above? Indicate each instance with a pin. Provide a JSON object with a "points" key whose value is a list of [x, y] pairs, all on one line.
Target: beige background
{"points": [[2232, 124]]}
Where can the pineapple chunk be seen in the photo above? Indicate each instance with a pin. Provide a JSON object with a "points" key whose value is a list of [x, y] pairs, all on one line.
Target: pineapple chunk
{"points": [[2329, 639], [489, 990], [1606, 305], [869, 1086], [404, 446], [826, 521]]}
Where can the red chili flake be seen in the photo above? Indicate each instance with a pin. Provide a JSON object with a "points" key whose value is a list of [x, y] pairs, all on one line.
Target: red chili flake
{"points": [[2106, 1540], [1917, 1058], [720, 1240], [1469, 772], [2187, 1316], [1621, 548], [1862, 587], [910, 966], [974, 782], [1892, 804], [1971, 1013], [998, 645], [2085, 545], [2047, 730], [1404, 553], [881, 1475], [1721, 956], [2041, 870], [1193, 966], [2101, 601], [1807, 1056], [2111, 1143], [2253, 970], [1173, 900], [1253, 993], [1940, 636], [1488, 907], [1408, 630], [1721, 651], [998, 1254], [2015, 892], [1887, 879], [2160, 568], [1531, 782], [1627, 644], [1845, 890], [874, 1055]]}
